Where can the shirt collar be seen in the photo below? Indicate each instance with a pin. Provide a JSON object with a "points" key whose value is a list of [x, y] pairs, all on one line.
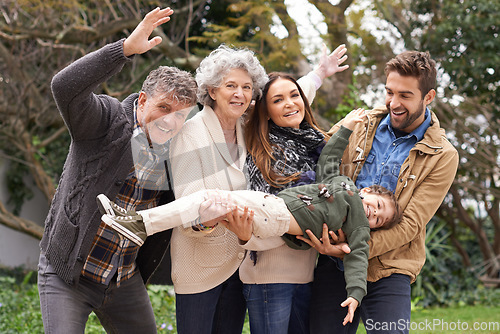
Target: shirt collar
{"points": [[418, 132], [137, 128]]}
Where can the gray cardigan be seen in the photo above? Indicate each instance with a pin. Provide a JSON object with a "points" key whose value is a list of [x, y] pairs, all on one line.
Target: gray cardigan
{"points": [[98, 161]]}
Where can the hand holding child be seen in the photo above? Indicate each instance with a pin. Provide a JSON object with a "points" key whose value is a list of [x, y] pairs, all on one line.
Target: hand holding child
{"points": [[214, 208], [240, 224], [324, 246]]}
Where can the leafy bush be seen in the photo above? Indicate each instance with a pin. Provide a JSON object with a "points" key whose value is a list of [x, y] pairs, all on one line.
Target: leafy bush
{"points": [[444, 281], [19, 306]]}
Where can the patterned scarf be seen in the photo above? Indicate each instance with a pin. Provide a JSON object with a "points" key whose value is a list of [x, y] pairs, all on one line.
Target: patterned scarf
{"points": [[295, 150]]}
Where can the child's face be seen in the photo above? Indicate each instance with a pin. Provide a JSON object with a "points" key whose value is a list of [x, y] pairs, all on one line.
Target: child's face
{"points": [[378, 208]]}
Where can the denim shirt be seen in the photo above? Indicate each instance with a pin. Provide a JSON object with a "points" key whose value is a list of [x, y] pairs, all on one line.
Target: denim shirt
{"points": [[386, 157], [388, 153]]}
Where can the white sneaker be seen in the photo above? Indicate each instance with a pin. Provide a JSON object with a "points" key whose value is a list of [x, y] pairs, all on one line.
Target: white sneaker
{"points": [[108, 207]]}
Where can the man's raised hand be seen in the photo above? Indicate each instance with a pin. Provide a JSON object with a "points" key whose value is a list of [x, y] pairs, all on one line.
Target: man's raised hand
{"points": [[138, 42]]}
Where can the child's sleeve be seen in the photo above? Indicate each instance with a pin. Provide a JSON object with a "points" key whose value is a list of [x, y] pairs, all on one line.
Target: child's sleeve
{"points": [[357, 232], [329, 160]]}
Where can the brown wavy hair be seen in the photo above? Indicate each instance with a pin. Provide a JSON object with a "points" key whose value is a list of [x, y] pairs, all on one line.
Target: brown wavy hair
{"points": [[398, 213], [257, 133]]}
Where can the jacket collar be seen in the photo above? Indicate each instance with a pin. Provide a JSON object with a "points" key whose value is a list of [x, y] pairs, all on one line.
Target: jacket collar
{"points": [[432, 142]]}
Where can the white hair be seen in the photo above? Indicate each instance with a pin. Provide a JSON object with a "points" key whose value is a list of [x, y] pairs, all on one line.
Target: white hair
{"points": [[219, 63]]}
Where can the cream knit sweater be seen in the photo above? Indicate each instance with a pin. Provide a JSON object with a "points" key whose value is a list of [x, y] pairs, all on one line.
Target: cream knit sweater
{"points": [[200, 159], [278, 263]]}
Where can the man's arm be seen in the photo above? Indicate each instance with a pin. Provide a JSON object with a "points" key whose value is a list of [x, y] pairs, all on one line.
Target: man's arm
{"points": [[73, 87]]}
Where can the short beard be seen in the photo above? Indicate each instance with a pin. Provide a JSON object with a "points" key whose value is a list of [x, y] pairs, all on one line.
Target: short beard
{"points": [[409, 118]]}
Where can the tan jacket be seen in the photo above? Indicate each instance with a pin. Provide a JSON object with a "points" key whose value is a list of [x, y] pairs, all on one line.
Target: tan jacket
{"points": [[424, 180]]}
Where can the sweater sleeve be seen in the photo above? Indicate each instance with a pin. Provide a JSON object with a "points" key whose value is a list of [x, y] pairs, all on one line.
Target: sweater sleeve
{"points": [[309, 85], [85, 113], [329, 160], [258, 244]]}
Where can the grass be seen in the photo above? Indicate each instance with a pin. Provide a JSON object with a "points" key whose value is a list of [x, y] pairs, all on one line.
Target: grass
{"points": [[20, 312], [457, 319]]}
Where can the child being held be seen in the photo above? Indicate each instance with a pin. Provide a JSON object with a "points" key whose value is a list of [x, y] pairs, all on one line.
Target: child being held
{"points": [[333, 200]]}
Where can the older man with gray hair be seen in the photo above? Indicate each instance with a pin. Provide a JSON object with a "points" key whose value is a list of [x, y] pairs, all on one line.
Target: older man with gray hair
{"points": [[116, 149]]}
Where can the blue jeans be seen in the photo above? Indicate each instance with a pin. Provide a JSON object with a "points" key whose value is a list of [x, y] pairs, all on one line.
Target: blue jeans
{"points": [[219, 310], [386, 308], [278, 308], [65, 309]]}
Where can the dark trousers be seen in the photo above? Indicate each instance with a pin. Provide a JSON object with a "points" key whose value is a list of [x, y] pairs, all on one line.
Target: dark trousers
{"points": [[219, 310], [386, 308], [65, 309]]}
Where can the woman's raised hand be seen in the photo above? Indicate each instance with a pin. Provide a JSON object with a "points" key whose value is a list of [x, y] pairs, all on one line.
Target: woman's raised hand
{"points": [[330, 64]]}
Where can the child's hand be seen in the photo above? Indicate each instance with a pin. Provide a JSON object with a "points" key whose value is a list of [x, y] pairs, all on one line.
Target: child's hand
{"points": [[352, 304], [355, 116], [240, 224]]}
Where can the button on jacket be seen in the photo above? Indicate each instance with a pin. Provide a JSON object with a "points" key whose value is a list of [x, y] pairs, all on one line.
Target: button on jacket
{"points": [[424, 179]]}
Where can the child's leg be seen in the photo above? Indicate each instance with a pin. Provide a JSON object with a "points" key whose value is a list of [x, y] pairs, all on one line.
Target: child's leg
{"points": [[271, 218], [183, 211], [137, 226]]}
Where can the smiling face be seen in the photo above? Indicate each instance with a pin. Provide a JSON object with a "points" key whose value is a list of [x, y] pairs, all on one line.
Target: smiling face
{"points": [[161, 116], [378, 209], [285, 104], [404, 101], [232, 98]]}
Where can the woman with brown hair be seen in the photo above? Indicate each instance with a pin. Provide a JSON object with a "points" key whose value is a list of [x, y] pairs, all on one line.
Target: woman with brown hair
{"points": [[284, 142]]}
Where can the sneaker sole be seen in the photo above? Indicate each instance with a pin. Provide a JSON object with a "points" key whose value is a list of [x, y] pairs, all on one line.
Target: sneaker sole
{"points": [[104, 206], [122, 230]]}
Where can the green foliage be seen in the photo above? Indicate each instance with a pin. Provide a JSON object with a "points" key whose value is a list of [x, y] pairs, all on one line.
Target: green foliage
{"points": [[19, 306], [247, 24], [19, 191], [350, 101], [422, 320], [443, 280], [464, 37]]}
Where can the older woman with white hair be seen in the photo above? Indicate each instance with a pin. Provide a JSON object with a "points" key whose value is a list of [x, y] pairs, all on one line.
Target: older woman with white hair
{"points": [[210, 153]]}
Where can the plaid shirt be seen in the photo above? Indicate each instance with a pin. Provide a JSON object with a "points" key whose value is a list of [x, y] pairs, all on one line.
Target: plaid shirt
{"points": [[111, 253]]}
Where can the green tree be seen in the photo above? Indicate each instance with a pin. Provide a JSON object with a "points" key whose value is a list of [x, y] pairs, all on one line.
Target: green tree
{"points": [[37, 39]]}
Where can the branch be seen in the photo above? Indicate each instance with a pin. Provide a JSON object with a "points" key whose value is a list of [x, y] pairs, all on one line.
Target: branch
{"points": [[53, 137], [20, 224]]}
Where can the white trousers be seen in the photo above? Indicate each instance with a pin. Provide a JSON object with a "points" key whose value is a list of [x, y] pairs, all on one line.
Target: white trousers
{"points": [[271, 218]]}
